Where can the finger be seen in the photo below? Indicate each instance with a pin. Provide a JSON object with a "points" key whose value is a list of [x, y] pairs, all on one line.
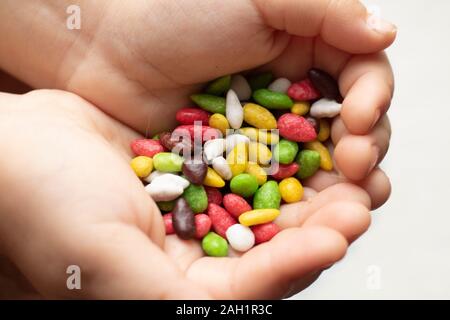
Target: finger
{"points": [[351, 219], [295, 214], [367, 83], [344, 24], [264, 272], [303, 283], [356, 156], [376, 185]]}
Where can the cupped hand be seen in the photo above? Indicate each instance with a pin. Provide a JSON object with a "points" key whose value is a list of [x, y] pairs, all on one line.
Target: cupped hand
{"points": [[141, 59], [69, 197]]}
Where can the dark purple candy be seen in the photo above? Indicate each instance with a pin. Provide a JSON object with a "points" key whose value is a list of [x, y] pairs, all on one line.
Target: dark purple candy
{"points": [[183, 220], [195, 170], [314, 123], [177, 144], [325, 84]]}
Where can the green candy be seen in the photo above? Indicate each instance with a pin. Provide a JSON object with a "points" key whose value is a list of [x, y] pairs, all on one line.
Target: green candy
{"points": [[244, 184], [214, 245], [309, 162], [209, 102], [285, 151], [219, 86], [167, 162], [166, 206], [156, 137], [268, 196], [272, 100], [195, 195], [260, 81]]}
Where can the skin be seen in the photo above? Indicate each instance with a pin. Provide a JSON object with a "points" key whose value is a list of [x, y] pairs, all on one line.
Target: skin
{"points": [[135, 77]]}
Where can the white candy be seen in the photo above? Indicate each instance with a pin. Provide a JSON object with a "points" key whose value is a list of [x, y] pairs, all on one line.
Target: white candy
{"points": [[241, 238], [234, 110], [240, 85], [213, 148], [280, 85], [164, 191], [166, 187], [153, 175], [325, 108], [221, 166], [234, 139], [173, 178]]}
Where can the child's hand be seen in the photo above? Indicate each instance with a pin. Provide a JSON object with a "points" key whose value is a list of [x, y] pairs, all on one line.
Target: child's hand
{"points": [[69, 197], [140, 59]]}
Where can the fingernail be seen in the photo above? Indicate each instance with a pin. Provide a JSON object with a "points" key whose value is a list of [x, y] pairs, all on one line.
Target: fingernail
{"points": [[376, 23], [375, 118], [374, 159]]}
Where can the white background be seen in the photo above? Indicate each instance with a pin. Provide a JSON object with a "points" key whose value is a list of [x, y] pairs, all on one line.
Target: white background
{"points": [[409, 240]]}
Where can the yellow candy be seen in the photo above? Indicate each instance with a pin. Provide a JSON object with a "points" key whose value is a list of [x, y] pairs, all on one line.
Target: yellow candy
{"points": [[237, 158], [255, 170], [301, 108], [142, 166], [219, 122], [259, 117], [291, 190], [260, 135], [258, 216], [326, 163], [258, 152], [324, 130], [213, 179]]}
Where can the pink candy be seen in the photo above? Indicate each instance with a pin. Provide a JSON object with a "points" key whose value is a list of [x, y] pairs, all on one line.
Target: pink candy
{"points": [[205, 133], [296, 128], [221, 220], [214, 195], [265, 232], [235, 204], [303, 91], [168, 223], [286, 171], [146, 147], [202, 225], [188, 116]]}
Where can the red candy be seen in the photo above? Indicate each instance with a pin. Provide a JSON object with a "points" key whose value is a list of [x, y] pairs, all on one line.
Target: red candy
{"points": [[221, 220], [207, 133], [168, 223], [265, 232], [202, 225], [303, 91], [235, 205], [296, 128], [286, 171], [146, 147], [190, 115], [214, 195]]}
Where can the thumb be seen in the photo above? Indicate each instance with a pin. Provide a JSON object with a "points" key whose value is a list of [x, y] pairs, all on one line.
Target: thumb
{"points": [[344, 24]]}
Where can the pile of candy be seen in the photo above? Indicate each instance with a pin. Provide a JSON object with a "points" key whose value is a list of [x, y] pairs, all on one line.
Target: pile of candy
{"points": [[261, 136]]}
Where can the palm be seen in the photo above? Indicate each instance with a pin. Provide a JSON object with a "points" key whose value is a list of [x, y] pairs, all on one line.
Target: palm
{"points": [[100, 208]]}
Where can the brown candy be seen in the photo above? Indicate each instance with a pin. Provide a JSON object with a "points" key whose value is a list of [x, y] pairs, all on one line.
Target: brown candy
{"points": [[183, 220], [177, 144], [314, 123], [325, 84], [195, 170]]}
